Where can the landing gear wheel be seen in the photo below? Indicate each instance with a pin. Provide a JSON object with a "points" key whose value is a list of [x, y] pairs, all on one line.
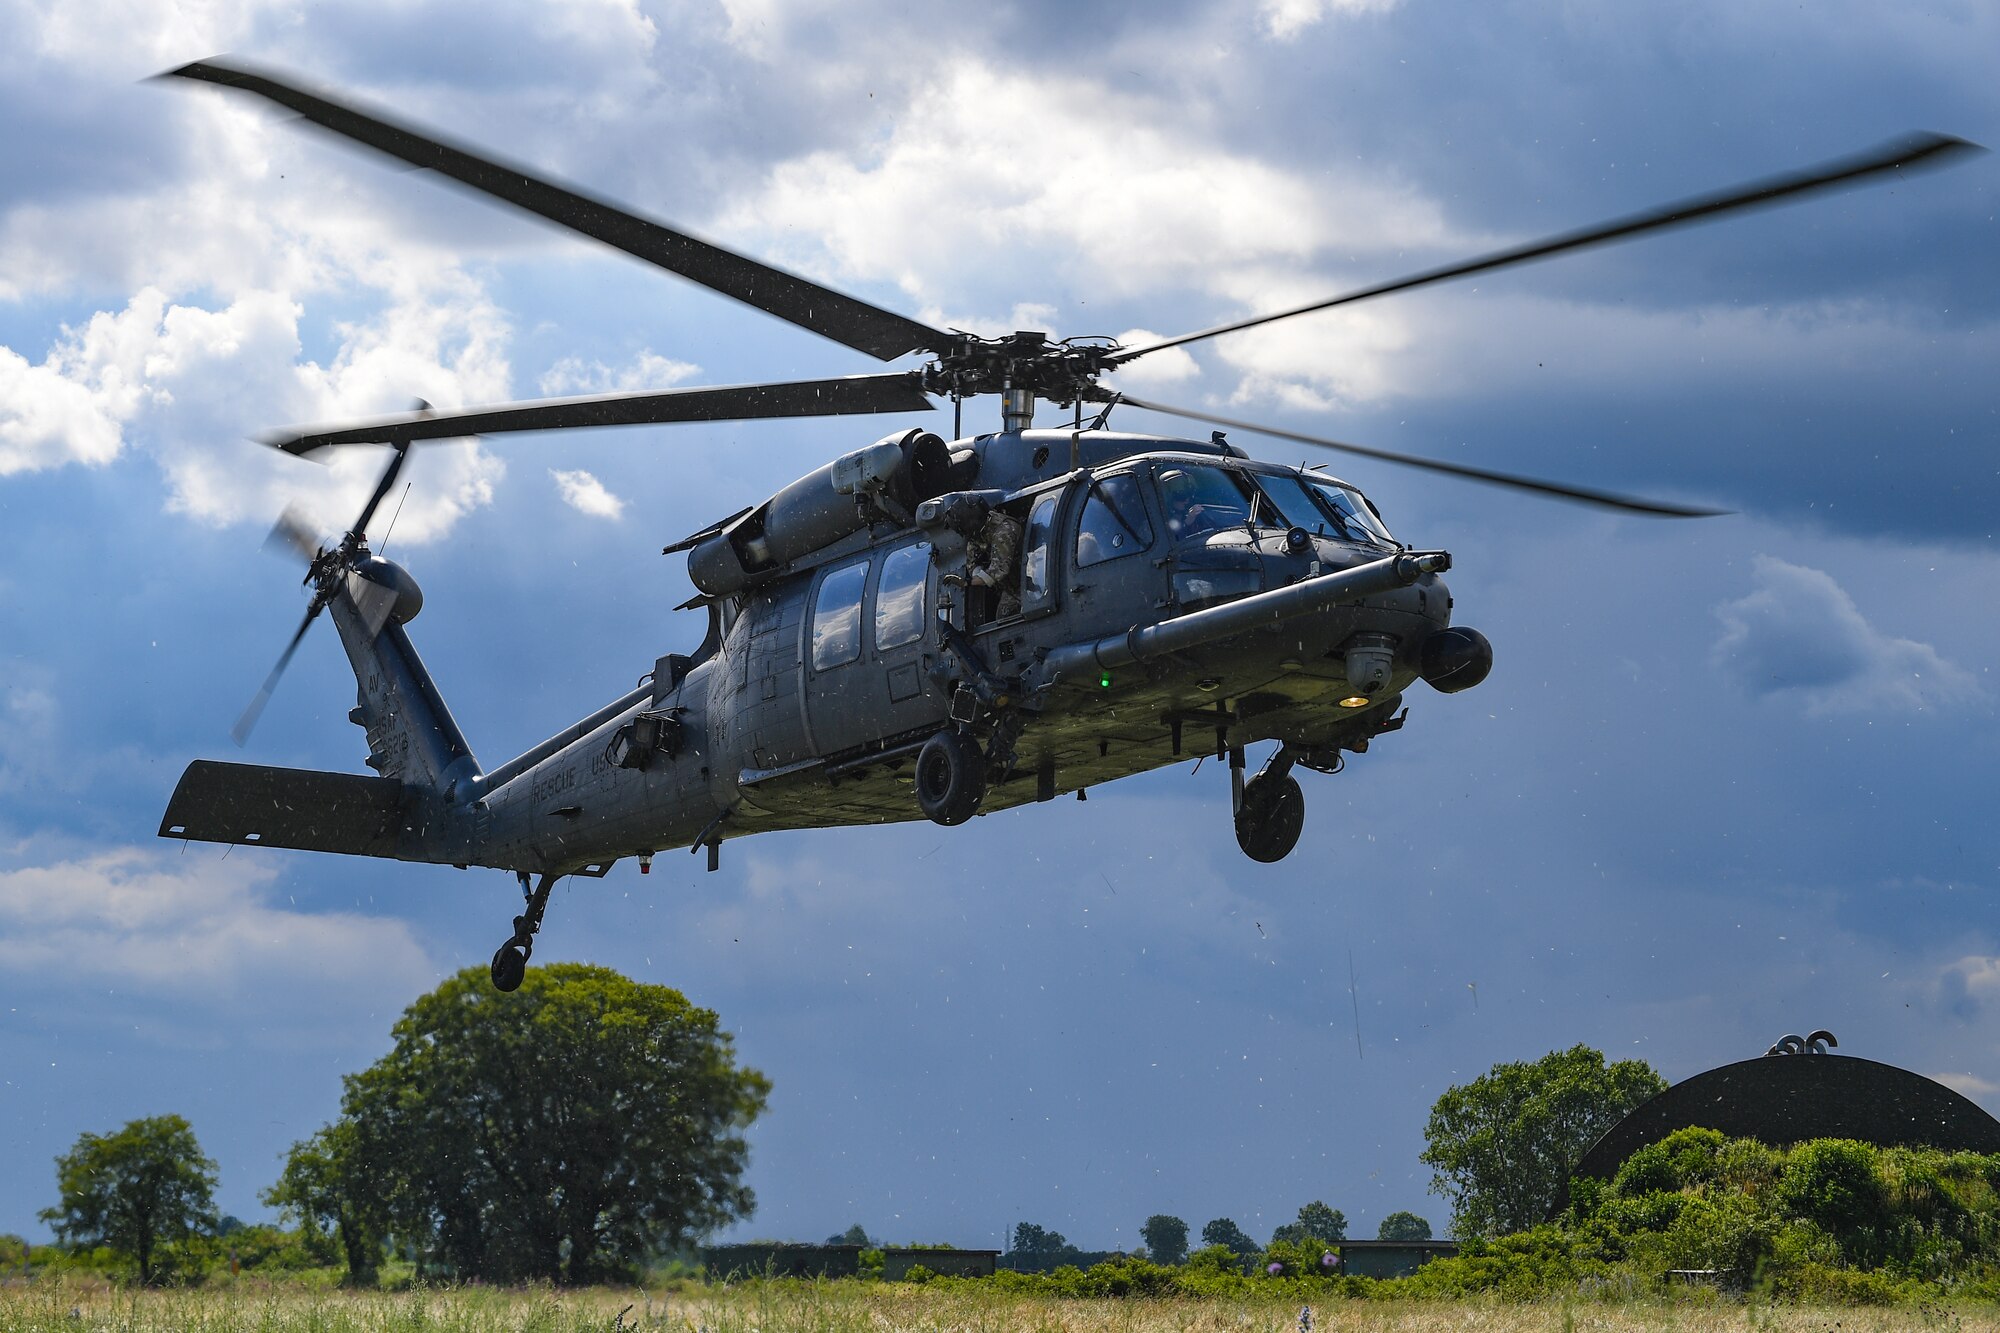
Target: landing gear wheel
{"points": [[510, 960], [1272, 817], [951, 777], [510, 965]]}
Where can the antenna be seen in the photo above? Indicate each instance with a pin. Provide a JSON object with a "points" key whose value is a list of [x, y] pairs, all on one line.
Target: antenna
{"points": [[393, 517]]}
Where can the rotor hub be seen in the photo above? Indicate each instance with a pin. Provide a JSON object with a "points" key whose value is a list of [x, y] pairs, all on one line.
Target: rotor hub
{"points": [[1063, 372]]}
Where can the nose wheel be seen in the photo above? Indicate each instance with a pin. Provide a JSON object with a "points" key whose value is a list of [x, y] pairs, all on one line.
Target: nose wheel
{"points": [[510, 960], [1270, 811]]}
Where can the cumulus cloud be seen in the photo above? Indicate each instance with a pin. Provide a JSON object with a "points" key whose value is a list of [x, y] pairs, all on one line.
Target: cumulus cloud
{"points": [[29, 718], [1962, 990], [1137, 198], [1286, 19], [224, 258], [1968, 1084], [1800, 635], [586, 494], [1174, 365], [194, 928], [191, 383], [646, 371]]}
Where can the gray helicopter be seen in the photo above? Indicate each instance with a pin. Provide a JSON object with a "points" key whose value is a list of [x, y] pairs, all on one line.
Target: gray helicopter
{"points": [[921, 627]]}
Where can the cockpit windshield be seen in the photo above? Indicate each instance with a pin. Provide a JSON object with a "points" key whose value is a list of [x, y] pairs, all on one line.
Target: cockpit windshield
{"points": [[1354, 510], [1202, 499], [1324, 507]]}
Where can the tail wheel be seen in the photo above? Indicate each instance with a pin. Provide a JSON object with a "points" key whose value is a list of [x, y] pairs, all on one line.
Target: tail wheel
{"points": [[1272, 817], [951, 777], [510, 966]]}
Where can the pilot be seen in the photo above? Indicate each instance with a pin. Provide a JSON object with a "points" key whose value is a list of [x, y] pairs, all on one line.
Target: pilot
{"points": [[1186, 514], [990, 564]]}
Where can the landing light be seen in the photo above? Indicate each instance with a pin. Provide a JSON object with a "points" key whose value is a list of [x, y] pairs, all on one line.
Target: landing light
{"points": [[1356, 701]]}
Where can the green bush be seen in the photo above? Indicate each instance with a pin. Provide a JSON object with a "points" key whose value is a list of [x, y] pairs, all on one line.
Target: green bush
{"points": [[1817, 1284], [1728, 1231], [1830, 1220], [1214, 1259], [1832, 1183]]}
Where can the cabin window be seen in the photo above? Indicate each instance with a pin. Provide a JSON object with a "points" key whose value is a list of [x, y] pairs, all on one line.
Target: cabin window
{"points": [[1114, 521], [1202, 499], [836, 627], [899, 596], [1035, 572]]}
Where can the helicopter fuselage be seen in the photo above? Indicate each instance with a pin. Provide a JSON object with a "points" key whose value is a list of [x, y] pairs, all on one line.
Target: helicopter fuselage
{"points": [[1173, 600], [820, 683]]}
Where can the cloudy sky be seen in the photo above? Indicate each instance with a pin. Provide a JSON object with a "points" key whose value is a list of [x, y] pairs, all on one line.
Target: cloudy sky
{"points": [[1729, 778]]}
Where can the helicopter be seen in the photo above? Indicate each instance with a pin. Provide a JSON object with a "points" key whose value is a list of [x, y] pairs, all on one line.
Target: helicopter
{"points": [[921, 627]]}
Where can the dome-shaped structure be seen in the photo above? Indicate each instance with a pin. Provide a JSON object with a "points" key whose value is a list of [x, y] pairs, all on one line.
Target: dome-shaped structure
{"points": [[1781, 1099]]}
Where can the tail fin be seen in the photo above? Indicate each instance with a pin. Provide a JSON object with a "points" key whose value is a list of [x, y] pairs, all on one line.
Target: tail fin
{"points": [[411, 734]]}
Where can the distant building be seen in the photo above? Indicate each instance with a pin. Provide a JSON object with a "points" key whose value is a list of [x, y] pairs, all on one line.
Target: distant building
{"points": [[1390, 1258], [782, 1260], [897, 1262]]}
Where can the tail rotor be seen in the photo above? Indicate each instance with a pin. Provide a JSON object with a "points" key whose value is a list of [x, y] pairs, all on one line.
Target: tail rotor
{"points": [[326, 571]]}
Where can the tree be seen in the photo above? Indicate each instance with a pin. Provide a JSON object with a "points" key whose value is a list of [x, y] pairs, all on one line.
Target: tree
{"points": [[561, 1131], [1316, 1222], [1501, 1146], [854, 1235], [1222, 1231], [136, 1191], [1404, 1226], [327, 1190], [1037, 1250], [1166, 1239]]}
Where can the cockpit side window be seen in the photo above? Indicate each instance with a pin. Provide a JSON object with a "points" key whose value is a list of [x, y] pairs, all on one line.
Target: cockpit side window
{"points": [[1036, 585], [1114, 521], [1201, 499]]}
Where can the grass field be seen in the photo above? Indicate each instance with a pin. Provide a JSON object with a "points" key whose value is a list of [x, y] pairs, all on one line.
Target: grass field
{"points": [[59, 1306]]}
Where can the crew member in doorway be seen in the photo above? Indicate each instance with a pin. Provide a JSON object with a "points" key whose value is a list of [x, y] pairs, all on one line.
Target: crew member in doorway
{"points": [[991, 563]]}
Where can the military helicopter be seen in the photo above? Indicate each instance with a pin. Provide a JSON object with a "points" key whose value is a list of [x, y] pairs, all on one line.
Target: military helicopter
{"points": [[874, 651]]}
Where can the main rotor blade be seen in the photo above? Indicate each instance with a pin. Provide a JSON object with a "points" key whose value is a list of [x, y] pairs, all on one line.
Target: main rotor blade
{"points": [[1581, 494], [1922, 149], [244, 725], [845, 319], [850, 395]]}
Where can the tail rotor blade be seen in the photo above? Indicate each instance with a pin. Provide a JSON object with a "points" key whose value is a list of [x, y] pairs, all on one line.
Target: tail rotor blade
{"points": [[382, 489], [248, 722], [294, 532]]}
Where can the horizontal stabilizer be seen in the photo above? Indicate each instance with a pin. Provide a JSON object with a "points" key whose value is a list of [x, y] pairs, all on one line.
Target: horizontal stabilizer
{"points": [[286, 807]]}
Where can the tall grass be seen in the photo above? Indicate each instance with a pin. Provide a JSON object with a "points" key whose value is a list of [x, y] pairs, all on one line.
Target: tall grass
{"points": [[69, 1305]]}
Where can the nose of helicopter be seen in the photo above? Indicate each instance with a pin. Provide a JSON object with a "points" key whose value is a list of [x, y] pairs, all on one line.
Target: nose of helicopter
{"points": [[1403, 629]]}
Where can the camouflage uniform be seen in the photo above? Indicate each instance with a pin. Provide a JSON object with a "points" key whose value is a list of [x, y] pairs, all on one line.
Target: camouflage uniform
{"points": [[990, 562]]}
